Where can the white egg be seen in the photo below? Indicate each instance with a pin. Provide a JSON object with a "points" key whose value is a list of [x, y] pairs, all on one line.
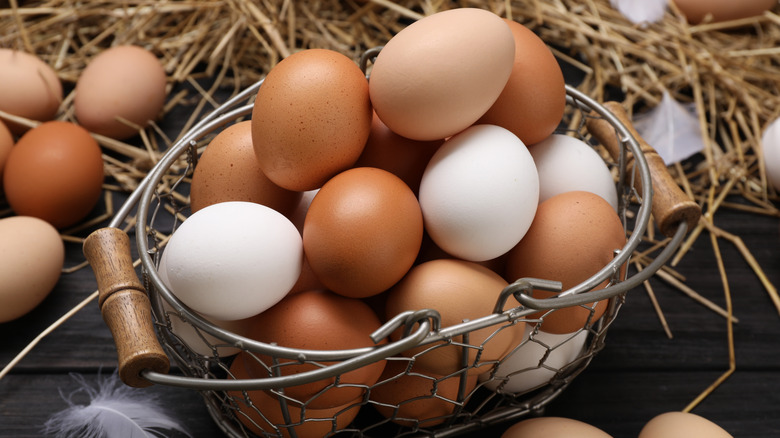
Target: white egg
{"points": [[233, 260], [479, 193], [770, 144], [536, 362], [568, 164]]}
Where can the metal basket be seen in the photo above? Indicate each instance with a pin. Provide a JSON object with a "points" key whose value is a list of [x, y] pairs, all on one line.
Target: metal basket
{"points": [[162, 204]]}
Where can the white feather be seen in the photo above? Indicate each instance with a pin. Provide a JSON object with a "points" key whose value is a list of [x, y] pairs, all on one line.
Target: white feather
{"points": [[114, 411], [671, 128], [641, 11]]}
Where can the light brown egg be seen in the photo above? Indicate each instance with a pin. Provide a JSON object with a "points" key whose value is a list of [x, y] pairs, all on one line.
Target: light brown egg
{"points": [[311, 423], [573, 235], [696, 11], [30, 264], [319, 320], [6, 143], [682, 425], [228, 171], [534, 98], [123, 82], [411, 399], [553, 427], [362, 232], [311, 118], [30, 88], [55, 172], [459, 290]]}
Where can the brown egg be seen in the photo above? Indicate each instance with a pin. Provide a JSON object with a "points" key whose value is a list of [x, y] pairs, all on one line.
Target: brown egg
{"points": [[228, 171], [311, 118], [459, 290], [417, 398], [311, 423], [6, 143], [696, 11], [573, 235], [534, 98], [30, 88], [55, 172], [362, 232], [682, 425], [319, 320], [401, 156], [553, 427], [120, 85]]}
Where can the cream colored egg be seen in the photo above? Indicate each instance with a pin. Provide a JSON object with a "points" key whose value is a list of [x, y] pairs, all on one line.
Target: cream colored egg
{"points": [[682, 425], [554, 427], [29, 88]]}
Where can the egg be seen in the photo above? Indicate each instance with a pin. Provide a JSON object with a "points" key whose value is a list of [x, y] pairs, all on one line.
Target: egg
{"points": [[770, 148], [572, 237], [54, 172], [30, 264], [553, 427], [433, 79], [318, 320], [233, 260], [311, 118], [228, 171], [696, 11], [535, 362], [479, 193], [29, 86], [410, 398], [565, 164], [262, 414], [459, 290], [401, 156], [362, 232], [120, 91], [532, 102], [682, 425], [6, 143]]}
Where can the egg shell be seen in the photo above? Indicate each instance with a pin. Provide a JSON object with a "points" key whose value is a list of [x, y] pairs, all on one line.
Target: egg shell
{"points": [[433, 79], [30, 264], [553, 427], [696, 11], [534, 363], [6, 143], [228, 171], [119, 85], [682, 425], [479, 193], [233, 260], [770, 148], [532, 102], [572, 237], [54, 172], [566, 164], [459, 290], [318, 320], [414, 398], [311, 118], [362, 232], [308, 423], [401, 156], [29, 86]]}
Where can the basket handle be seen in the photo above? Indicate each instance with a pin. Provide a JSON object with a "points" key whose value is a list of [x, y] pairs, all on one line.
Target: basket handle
{"points": [[670, 204], [125, 306]]}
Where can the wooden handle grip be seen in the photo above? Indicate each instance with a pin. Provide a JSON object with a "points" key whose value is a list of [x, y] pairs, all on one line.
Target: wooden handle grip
{"points": [[125, 306], [670, 204]]}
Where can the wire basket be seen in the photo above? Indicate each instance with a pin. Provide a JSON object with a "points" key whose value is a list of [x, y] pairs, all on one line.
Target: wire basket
{"points": [[144, 316]]}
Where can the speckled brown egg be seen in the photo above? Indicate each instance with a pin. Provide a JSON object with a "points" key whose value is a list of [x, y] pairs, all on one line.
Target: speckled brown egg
{"points": [[228, 171], [55, 173], [29, 88], [532, 102], [120, 91], [319, 320], [362, 232], [573, 235], [311, 118]]}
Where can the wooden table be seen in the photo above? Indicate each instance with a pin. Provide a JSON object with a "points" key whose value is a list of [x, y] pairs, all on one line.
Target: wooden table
{"points": [[640, 373]]}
